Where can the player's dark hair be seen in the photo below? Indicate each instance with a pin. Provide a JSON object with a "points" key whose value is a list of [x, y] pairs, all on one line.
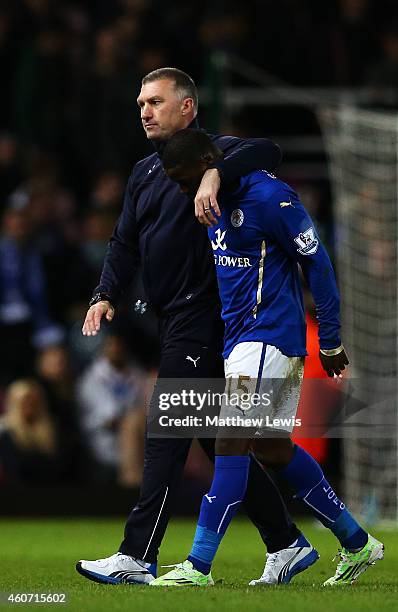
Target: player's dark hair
{"points": [[188, 147], [184, 84]]}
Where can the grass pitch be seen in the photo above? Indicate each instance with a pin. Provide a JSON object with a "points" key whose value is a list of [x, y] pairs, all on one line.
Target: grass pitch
{"points": [[39, 557]]}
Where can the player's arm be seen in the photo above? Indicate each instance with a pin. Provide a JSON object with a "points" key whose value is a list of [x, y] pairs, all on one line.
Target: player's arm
{"points": [[240, 157], [296, 233], [120, 262]]}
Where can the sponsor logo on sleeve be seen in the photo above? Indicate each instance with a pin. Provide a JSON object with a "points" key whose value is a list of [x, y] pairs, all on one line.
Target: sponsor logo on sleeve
{"points": [[307, 242]]}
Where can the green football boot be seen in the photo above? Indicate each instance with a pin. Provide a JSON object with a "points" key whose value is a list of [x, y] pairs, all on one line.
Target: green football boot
{"points": [[353, 564], [183, 574]]}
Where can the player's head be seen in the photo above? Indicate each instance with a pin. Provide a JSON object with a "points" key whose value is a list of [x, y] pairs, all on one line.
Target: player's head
{"points": [[187, 156], [168, 101]]}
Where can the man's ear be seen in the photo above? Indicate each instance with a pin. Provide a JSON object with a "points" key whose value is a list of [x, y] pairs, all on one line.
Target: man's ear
{"points": [[187, 106]]}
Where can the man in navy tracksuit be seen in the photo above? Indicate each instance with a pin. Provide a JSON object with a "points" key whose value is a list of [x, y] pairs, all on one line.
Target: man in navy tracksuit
{"points": [[157, 228]]}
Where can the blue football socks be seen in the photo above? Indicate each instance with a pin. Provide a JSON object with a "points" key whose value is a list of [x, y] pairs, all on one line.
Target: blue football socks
{"points": [[218, 508], [306, 477]]}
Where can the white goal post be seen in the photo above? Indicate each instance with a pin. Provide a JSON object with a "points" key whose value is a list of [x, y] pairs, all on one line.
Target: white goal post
{"points": [[362, 147]]}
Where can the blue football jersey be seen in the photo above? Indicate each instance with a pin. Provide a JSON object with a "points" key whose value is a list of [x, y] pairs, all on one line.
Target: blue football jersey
{"points": [[263, 235]]}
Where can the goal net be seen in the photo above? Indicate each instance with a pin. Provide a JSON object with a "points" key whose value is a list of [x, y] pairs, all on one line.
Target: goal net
{"points": [[363, 153]]}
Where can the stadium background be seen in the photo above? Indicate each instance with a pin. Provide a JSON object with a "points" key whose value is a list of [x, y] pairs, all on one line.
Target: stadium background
{"points": [[69, 135]]}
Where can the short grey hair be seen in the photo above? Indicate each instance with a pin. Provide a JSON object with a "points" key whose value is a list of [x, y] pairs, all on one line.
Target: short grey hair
{"points": [[184, 84]]}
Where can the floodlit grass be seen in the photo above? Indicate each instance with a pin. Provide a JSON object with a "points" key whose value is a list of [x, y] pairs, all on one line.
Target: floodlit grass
{"points": [[39, 556]]}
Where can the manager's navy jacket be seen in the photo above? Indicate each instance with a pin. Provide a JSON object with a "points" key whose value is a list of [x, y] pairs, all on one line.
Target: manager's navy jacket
{"points": [[158, 228]]}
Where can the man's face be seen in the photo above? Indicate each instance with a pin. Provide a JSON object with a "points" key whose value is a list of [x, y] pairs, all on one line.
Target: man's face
{"points": [[163, 112], [188, 177]]}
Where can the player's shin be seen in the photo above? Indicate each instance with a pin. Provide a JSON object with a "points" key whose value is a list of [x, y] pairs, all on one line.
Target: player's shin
{"points": [[305, 475], [218, 508]]}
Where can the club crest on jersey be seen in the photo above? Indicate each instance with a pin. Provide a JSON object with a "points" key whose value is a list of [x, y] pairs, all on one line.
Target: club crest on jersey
{"points": [[219, 242], [307, 242], [237, 217]]}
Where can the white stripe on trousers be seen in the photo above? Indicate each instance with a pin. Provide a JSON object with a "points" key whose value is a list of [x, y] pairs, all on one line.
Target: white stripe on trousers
{"points": [[156, 524]]}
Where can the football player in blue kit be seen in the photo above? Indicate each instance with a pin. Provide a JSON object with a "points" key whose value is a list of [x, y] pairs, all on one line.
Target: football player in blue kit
{"points": [[260, 239]]}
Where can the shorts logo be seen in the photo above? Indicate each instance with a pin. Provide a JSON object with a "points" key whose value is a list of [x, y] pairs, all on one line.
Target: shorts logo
{"points": [[219, 244], [237, 217], [307, 242]]}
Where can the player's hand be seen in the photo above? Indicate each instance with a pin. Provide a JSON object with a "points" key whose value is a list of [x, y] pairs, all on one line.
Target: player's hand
{"points": [[92, 322], [206, 206], [334, 364]]}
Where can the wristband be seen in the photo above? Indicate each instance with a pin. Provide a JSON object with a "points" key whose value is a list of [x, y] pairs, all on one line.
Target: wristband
{"points": [[332, 352]]}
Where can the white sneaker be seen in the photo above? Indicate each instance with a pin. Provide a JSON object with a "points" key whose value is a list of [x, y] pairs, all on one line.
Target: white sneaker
{"points": [[117, 569], [281, 566]]}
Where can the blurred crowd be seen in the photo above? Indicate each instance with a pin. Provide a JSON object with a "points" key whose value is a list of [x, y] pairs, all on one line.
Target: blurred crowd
{"points": [[72, 408], [59, 426]]}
